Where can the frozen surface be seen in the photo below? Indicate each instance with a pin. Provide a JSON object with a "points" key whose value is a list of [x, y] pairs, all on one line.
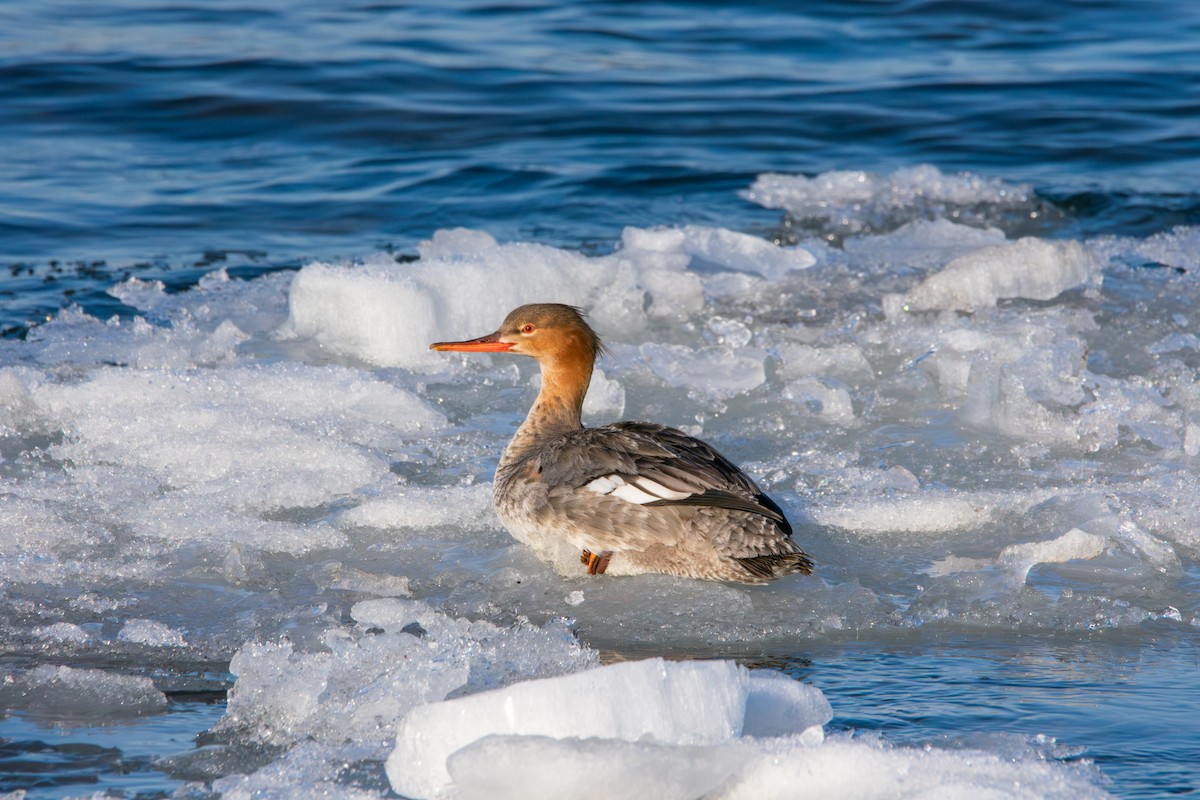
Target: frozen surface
{"points": [[649, 723], [687, 703], [71, 693], [356, 683], [974, 434]]}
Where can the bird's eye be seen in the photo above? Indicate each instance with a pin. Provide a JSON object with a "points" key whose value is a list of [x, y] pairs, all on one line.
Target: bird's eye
{"points": [[528, 328]]}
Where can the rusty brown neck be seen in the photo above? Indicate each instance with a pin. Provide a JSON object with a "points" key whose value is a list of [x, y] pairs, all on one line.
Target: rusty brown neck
{"points": [[559, 404]]}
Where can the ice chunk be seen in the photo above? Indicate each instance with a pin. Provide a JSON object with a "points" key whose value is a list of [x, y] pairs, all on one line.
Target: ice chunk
{"points": [[334, 575], [843, 360], [62, 632], [922, 243], [18, 411], [605, 399], [847, 767], [776, 705], [1029, 268], [310, 771], [140, 294], [150, 632], [854, 200], [716, 372], [73, 693], [456, 243], [686, 703], [825, 397], [1018, 559], [532, 767], [720, 248], [1174, 342], [1073, 544], [387, 313], [357, 683]]}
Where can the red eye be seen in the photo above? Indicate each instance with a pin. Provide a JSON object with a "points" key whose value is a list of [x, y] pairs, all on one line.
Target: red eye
{"points": [[528, 328]]}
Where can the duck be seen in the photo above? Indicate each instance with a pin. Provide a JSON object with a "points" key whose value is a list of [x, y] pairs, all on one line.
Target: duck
{"points": [[629, 497]]}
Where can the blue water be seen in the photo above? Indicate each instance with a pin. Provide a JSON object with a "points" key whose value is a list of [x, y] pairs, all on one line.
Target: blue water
{"points": [[160, 139], [152, 137]]}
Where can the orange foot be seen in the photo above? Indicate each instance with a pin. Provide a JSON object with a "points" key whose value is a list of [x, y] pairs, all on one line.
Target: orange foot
{"points": [[596, 564]]}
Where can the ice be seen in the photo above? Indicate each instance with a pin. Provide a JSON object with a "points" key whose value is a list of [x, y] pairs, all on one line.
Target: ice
{"points": [[776, 705], [688, 703], [356, 683], [279, 473], [605, 398], [1175, 342], [1018, 559], [239, 430], [467, 507], [824, 397], [62, 632], [854, 201], [520, 767], [719, 248], [308, 772], [929, 511], [845, 767], [924, 244], [717, 371], [843, 360], [386, 313], [1028, 268], [73, 693], [635, 714], [150, 632]]}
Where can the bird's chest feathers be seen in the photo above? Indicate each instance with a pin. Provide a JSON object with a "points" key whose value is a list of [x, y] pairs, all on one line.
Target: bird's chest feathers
{"points": [[521, 495]]}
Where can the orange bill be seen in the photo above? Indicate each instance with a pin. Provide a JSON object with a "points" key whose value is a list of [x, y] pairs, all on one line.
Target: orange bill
{"points": [[484, 344]]}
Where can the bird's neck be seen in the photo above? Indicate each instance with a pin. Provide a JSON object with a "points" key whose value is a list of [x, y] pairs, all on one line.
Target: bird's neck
{"points": [[559, 405]]}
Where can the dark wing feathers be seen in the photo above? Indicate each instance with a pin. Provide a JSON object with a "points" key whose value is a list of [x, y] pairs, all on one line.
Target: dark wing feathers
{"points": [[665, 456], [719, 499]]}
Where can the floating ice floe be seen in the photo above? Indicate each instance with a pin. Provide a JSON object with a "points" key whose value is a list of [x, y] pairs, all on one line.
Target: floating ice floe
{"points": [[692, 719], [73, 693], [853, 200], [469, 710], [719, 248], [356, 685], [383, 312], [150, 632], [1028, 268]]}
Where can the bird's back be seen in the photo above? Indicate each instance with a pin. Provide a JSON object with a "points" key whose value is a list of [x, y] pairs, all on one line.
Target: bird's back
{"points": [[658, 499]]}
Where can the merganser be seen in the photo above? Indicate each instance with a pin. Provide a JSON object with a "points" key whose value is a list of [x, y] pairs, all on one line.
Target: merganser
{"points": [[634, 497]]}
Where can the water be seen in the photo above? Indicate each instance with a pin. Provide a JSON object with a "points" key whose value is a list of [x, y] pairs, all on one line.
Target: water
{"points": [[150, 138], [1001, 502]]}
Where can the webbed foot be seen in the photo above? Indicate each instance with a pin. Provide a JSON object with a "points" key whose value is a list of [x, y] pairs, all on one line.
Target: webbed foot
{"points": [[596, 564]]}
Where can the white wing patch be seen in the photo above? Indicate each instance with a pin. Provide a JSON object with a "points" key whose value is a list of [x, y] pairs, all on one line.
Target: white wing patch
{"points": [[640, 490]]}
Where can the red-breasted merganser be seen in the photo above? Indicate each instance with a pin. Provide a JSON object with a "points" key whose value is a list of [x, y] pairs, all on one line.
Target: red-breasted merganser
{"points": [[634, 497]]}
